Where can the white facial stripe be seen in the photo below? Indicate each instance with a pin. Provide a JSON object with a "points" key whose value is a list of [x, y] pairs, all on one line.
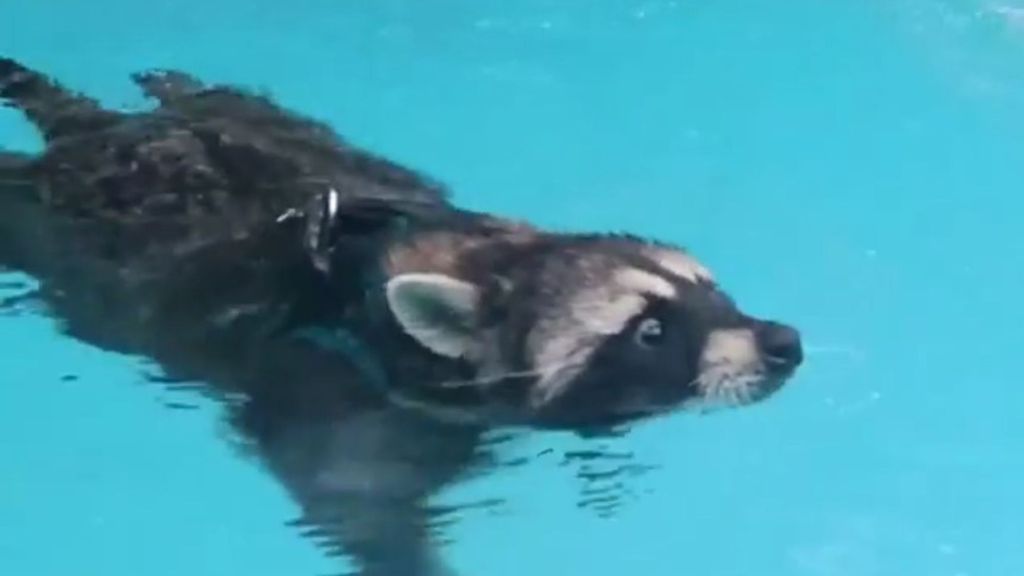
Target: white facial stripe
{"points": [[565, 344], [608, 317], [682, 265], [556, 375], [640, 281], [562, 357]]}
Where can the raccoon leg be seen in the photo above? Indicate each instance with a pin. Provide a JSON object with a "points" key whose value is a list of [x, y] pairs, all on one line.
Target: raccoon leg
{"points": [[363, 482], [53, 109], [382, 537]]}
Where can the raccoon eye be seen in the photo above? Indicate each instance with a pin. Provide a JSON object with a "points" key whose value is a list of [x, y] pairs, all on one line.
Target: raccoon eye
{"points": [[649, 333]]}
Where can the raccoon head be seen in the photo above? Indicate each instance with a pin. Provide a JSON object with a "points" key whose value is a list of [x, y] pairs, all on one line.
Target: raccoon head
{"points": [[594, 331]]}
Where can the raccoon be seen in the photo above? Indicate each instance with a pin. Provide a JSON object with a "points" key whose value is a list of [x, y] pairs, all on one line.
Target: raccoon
{"points": [[367, 330]]}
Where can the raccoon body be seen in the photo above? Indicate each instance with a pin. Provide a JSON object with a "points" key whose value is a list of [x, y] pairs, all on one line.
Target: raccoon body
{"points": [[369, 329]]}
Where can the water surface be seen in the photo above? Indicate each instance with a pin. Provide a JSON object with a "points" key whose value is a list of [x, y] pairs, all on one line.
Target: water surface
{"points": [[854, 167]]}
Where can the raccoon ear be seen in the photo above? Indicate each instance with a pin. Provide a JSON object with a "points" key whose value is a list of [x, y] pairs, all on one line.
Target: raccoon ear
{"points": [[439, 311]]}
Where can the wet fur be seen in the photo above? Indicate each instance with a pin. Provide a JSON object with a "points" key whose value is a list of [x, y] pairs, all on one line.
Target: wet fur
{"points": [[194, 235], [367, 330], [157, 234]]}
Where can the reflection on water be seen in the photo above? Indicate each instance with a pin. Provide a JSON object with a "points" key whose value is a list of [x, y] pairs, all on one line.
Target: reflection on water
{"points": [[361, 478]]}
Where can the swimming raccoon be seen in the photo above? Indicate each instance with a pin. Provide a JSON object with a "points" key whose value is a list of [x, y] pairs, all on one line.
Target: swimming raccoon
{"points": [[372, 329]]}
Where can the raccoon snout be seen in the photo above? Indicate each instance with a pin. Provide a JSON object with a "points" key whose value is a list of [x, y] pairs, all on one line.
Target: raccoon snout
{"points": [[780, 346]]}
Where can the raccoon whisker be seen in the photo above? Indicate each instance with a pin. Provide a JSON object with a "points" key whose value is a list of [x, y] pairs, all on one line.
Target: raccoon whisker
{"points": [[506, 376], [743, 395], [730, 396], [493, 379]]}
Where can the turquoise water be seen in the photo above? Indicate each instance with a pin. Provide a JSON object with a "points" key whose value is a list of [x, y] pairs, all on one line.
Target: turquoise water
{"points": [[854, 167]]}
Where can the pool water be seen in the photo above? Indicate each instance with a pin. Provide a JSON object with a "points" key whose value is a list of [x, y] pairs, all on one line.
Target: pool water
{"points": [[853, 167]]}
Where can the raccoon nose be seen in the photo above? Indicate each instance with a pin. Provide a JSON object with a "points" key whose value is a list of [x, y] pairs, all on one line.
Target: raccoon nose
{"points": [[780, 345]]}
